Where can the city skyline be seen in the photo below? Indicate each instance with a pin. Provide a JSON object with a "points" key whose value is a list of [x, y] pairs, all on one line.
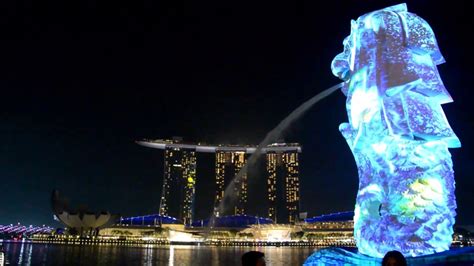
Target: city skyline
{"points": [[283, 186], [180, 177], [83, 81], [228, 165]]}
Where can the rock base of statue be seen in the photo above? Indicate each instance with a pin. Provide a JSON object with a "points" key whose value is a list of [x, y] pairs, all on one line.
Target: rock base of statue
{"points": [[350, 256]]}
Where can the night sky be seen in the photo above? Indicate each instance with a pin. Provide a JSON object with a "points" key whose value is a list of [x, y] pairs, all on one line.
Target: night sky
{"points": [[82, 80]]}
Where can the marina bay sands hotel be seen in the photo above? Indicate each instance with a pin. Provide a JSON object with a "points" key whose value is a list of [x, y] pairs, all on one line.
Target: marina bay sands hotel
{"points": [[179, 182]]}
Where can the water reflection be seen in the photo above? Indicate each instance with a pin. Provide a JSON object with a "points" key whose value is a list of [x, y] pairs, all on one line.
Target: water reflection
{"points": [[147, 255], [171, 259], [20, 258], [53, 254]]}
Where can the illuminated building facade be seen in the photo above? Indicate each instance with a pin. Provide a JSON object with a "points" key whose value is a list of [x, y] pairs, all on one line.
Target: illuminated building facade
{"points": [[177, 198], [180, 178], [229, 162], [283, 185]]}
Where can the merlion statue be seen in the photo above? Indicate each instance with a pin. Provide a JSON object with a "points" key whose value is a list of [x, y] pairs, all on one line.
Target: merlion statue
{"points": [[398, 134]]}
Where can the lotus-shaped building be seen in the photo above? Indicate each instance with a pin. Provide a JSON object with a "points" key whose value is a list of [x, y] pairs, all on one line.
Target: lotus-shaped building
{"points": [[80, 220]]}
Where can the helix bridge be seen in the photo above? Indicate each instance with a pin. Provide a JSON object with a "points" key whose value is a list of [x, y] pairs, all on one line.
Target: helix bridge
{"points": [[18, 229]]}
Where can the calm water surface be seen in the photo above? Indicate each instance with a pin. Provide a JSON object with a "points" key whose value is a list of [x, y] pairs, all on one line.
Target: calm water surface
{"points": [[54, 254]]}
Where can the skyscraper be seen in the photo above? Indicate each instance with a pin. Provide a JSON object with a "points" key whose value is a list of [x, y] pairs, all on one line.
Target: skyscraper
{"points": [[179, 182], [177, 197], [229, 162], [283, 185]]}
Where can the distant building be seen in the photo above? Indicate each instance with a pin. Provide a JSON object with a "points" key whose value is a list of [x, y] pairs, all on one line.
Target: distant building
{"points": [[232, 221], [180, 178], [229, 162], [177, 196], [334, 229], [80, 220], [283, 185], [334, 226]]}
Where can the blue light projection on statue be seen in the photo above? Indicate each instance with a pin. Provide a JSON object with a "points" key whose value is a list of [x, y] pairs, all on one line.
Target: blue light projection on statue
{"points": [[398, 134]]}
